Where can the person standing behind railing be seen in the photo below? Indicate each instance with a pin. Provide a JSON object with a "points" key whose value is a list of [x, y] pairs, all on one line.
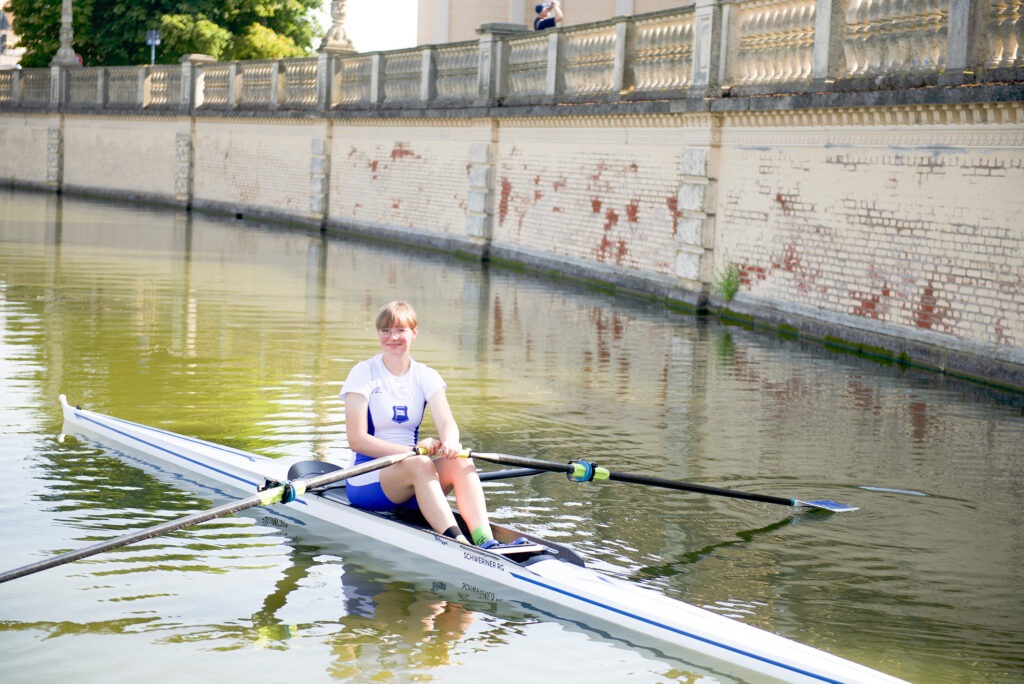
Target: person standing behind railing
{"points": [[548, 15]]}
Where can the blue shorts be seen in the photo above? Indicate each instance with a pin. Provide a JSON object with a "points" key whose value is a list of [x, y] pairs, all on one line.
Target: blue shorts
{"points": [[364, 491]]}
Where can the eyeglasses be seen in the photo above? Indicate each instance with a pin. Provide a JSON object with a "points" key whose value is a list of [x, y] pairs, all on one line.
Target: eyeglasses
{"points": [[388, 332]]}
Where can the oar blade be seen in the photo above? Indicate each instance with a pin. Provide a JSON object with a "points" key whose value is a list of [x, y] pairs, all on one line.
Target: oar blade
{"points": [[827, 505]]}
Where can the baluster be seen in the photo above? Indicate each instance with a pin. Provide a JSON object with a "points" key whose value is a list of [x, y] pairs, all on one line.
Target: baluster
{"points": [[931, 36], [998, 36], [853, 44], [1014, 55], [901, 42], [874, 45], [777, 41], [757, 44], [807, 24]]}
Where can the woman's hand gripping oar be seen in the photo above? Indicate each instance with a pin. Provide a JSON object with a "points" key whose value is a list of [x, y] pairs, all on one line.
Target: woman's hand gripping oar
{"points": [[274, 493]]}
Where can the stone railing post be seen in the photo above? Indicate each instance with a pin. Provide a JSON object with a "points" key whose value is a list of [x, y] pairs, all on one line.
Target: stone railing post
{"points": [[324, 80], [191, 86], [376, 78], [144, 87], [101, 88], [492, 65], [15, 86], [58, 87], [965, 41], [710, 56], [276, 85], [829, 58], [233, 85], [555, 83], [428, 76], [622, 75]]}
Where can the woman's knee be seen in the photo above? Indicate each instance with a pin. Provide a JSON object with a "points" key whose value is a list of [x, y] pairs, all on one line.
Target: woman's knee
{"points": [[419, 467], [455, 469]]}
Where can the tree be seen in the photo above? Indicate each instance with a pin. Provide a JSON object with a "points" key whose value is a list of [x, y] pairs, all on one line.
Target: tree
{"points": [[113, 32]]}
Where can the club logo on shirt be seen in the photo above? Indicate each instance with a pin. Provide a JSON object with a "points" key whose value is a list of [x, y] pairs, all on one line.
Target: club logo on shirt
{"points": [[400, 414]]}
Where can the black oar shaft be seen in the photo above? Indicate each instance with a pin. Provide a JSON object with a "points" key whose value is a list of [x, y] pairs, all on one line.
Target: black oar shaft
{"points": [[270, 496], [524, 462], [131, 538], [602, 473], [508, 474], [698, 488]]}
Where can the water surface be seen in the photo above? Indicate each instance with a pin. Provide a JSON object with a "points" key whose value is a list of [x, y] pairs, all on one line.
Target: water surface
{"points": [[242, 335]]}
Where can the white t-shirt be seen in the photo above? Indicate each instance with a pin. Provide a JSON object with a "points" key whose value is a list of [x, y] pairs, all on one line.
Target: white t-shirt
{"points": [[396, 403]]}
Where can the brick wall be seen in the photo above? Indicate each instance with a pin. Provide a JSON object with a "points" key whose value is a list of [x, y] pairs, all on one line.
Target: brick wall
{"points": [[900, 221], [404, 175], [601, 191], [122, 155], [260, 165], [917, 226], [24, 142]]}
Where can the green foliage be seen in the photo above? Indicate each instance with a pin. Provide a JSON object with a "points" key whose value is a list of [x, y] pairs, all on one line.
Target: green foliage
{"points": [[113, 32], [259, 42], [184, 34], [727, 283]]}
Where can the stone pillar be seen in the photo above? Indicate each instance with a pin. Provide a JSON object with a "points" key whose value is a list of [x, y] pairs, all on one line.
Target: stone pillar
{"points": [[336, 42], [479, 215], [556, 78], [320, 178], [708, 51], [233, 85], [336, 39], [55, 155], [325, 62], [64, 59], [623, 69], [695, 208], [965, 41], [376, 78], [829, 57], [492, 66], [184, 156], [428, 76], [58, 87], [65, 56], [191, 85]]}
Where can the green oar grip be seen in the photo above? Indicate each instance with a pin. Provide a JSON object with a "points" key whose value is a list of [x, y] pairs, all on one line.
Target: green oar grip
{"points": [[585, 471]]}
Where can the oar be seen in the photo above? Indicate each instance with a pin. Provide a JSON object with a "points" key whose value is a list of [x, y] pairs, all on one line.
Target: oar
{"points": [[275, 493], [584, 471], [508, 474]]}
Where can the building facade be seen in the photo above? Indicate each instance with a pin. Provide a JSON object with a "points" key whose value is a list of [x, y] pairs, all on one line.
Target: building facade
{"points": [[10, 53], [452, 21]]}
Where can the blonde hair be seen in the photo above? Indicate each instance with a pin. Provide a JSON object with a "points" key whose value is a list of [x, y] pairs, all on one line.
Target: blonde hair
{"points": [[396, 313]]}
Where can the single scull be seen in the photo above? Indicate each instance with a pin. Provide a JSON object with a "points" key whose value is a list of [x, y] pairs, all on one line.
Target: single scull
{"points": [[542, 570]]}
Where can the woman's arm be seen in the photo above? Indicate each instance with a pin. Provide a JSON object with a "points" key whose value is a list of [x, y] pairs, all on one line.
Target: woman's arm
{"points": [[444, 420], [357, 429]]}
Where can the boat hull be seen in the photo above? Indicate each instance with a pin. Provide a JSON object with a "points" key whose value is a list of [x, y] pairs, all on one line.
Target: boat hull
{"points": [[557, 578]]}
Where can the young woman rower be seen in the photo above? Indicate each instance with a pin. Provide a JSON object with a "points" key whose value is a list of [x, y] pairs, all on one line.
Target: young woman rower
{"points": [[385, 401]]}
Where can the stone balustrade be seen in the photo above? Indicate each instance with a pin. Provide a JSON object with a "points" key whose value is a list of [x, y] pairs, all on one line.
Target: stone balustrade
{"points": [[705, 49]]}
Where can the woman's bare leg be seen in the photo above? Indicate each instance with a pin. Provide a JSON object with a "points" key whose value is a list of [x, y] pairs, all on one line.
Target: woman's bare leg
{"points": [[417, 476]]}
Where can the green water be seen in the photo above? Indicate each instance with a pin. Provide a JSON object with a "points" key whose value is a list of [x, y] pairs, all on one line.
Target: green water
{"points": [[242, 335]]}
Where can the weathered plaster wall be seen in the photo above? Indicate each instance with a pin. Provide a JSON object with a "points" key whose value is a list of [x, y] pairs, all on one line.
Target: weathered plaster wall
{"points": [[903, 218], [898, 223]]}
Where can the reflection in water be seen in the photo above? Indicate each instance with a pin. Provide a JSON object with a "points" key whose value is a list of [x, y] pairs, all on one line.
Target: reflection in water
{"points": [[242, 335], [385, 623]]}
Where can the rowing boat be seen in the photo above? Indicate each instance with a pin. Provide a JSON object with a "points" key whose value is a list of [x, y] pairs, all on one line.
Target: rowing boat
{"points": [[538, 570]]}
